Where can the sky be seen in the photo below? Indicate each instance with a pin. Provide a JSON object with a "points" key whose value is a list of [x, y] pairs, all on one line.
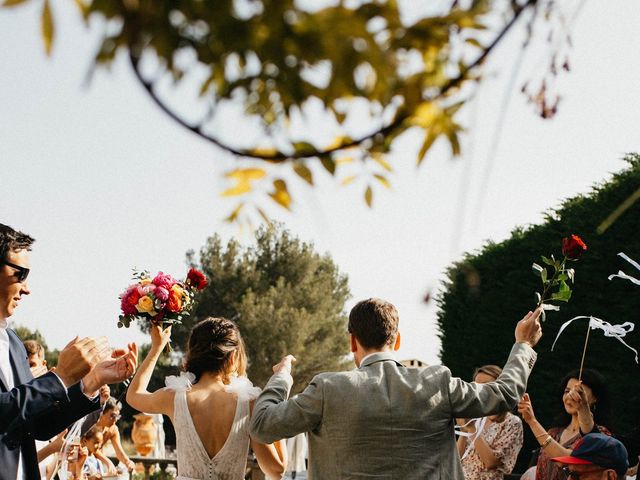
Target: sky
{"points": [[105, 181]]}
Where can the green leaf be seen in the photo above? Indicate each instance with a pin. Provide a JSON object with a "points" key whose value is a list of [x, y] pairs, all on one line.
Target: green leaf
{"points": [[303, 172], [547, 261], [47, 27], [304, 148], [328, 164]]}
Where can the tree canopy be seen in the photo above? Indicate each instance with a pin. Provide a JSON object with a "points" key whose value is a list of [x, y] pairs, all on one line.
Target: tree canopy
{"points": [[368, 71], [487, 292], [285, 297]]}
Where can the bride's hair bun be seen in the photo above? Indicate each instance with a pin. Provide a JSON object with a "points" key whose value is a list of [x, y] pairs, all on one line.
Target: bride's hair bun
{"points": [[216, 346]]}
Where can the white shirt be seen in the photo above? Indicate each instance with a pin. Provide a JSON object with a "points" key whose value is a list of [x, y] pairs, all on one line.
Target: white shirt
{"points": [[370, 355]]}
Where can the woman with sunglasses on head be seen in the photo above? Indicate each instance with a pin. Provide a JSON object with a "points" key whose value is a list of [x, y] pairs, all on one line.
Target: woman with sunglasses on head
{"points": [[585, 409], [107, 425], [209, 405]]}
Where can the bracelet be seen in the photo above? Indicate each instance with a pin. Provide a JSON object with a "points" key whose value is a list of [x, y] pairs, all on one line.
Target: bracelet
{"points": [[546, 442], [542, 435]]}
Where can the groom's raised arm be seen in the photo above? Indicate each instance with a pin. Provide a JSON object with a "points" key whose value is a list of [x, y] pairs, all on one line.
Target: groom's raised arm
{"points": [[274, 417]]}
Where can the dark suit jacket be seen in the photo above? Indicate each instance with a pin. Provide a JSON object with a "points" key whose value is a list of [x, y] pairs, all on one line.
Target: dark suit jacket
{"points": [[37, 408]]}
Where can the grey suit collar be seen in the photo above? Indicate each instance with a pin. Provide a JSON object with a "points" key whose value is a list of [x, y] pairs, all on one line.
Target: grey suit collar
{"points": [[378, 357]]}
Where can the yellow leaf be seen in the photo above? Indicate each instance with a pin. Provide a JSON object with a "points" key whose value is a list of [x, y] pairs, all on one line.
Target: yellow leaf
{"points": [[303, 172], [12, 3], [233, 216], [348, 180], [47, 27], [265, 152], [368, 196], [239, 189], [344, 160], [338, 142], [428, 143], [281, 194], [383, 180], [426, 114], [246, 174], [382, 162]]}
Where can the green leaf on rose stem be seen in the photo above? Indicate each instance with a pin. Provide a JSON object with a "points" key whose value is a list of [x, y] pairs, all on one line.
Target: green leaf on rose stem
{"points": [[547, 261], [543, 276], [563, 294], [562, 277]]}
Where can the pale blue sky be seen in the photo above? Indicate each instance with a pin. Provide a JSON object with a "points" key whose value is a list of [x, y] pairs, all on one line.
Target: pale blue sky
{"points": [[105, 181]]}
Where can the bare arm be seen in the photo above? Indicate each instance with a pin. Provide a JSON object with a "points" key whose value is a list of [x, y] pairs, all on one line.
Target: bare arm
{"points": [[546, 442], [160, 401], [271, 458], [120, 453]]}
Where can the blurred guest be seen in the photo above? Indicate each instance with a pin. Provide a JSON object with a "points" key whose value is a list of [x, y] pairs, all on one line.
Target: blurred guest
{"points": [[492, 453], [585, 409], [110, 433], [86, 465], [35, 356]]}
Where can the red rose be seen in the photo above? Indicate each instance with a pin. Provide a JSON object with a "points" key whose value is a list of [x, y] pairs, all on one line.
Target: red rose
{"points": [[196, 279], [573, 247], [174, 304]]}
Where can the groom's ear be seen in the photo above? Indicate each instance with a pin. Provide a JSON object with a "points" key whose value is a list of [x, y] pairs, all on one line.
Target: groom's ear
{"points": [[354, 345], [396, 345]]}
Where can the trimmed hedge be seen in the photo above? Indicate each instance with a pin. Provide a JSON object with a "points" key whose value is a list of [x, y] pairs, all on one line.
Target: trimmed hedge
{"points": [[489, 291]]}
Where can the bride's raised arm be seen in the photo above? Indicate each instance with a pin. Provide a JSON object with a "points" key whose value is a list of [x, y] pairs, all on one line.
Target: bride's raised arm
{"points": [[160, 401]]}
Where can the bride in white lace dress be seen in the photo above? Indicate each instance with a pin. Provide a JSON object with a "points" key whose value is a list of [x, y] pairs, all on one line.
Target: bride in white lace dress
{"points": [[209, 404]]}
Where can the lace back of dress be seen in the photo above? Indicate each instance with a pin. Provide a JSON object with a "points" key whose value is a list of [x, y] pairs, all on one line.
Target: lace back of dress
{"points": [[194, 462]]}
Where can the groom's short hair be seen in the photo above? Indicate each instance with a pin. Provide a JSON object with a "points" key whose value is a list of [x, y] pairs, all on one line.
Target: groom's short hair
{"points": [[13, 241], [374, 323]]}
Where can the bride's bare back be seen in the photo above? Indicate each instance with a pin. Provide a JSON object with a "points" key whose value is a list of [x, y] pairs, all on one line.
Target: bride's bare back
{"points": [[212, 412]]}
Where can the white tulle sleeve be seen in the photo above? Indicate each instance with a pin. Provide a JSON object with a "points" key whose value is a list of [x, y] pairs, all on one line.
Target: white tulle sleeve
{"points": [[243, 387], [182, 383]]}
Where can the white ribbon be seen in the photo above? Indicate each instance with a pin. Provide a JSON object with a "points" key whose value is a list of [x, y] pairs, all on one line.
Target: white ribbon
{"points": [[623, 275], [615, 331], [472, 437]]}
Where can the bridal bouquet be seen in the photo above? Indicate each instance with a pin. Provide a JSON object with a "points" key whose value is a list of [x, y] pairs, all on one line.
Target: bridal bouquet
{"points": [[161, 299], [555, 275]]}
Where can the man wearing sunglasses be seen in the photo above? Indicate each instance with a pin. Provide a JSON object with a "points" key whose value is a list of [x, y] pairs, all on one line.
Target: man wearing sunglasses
{"points": [[39, 408], [596, 457]]}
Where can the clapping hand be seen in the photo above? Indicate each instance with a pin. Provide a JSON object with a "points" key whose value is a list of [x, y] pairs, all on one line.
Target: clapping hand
{"points": [[116, 369], [285, 365]]}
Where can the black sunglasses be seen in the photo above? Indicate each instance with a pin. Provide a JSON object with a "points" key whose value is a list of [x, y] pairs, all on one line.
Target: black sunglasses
{"points": [[577, 476], [22, 272]]}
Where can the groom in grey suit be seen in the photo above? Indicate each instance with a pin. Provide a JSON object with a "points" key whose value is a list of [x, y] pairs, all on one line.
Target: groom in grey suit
{"points": [[382, 420]]}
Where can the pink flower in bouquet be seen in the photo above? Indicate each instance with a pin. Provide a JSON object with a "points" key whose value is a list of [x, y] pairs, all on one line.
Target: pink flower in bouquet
{"points": [[197, 279], [129, 299], [164, 281], [161, 293]]}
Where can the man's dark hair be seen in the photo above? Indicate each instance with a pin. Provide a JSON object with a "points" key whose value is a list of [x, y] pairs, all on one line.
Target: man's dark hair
{"points": [[12, 241], [374, 323]]}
